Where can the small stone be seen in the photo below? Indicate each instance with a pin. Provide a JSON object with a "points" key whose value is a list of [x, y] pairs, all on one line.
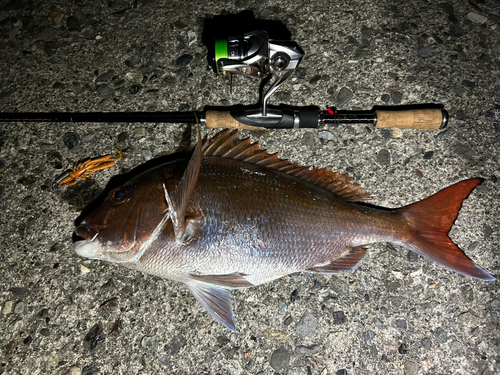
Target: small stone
{"points": [[140, 132], [94, 337], [45, 332], [426, 52], [468, 84], [109, 306], [134, 89], [397, 97], [183, 60], [441, 335], [384, 157], [401, 323], [91, 369], [71, 140], [46, 147], [73, 24], [341, 372], [84, 270], [307, 325], [19, 309], [7, 307], [386, 98], [396, 132], [104, 91], [411, 368], [339, 317], [327, 136], [428, 155], [55, 18], [279, 359], [307, 350], [477, 18], [178, 342], [105, 76], [149, 342], [282, 305], [123, 137], [308, 139], [146, 154], [456, 347], [344, 96], [368, 335]]}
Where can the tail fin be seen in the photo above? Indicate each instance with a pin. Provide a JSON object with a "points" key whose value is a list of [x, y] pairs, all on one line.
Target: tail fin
{"points": [[431, 220]]}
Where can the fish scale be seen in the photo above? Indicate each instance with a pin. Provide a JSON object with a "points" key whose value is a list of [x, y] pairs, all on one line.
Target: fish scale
{"points": [[218, 222]]}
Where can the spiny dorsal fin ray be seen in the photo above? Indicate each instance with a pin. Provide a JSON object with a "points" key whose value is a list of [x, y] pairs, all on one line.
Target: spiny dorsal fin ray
{"points": [[227, 144]]}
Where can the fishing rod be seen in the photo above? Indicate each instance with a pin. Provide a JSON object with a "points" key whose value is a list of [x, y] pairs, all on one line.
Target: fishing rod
{"points": [[254, 54]]}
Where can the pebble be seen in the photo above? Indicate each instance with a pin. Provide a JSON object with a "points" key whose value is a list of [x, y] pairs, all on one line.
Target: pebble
{"points": [[279, 359], [368, 335], [183, 60], [104, 91], [282, 305], [397, 97], [84, 270], [178, 342], [384, 157], [28, 340], [19, 309], [71, 140], [426, 52], [308, 139], [134, 89], [94, 337], [339, 317], [428, 155], [477, 18], [411, 368], [307, 325], [7, 307], [327, 136], [146, 154], [456, 347], [48, 34], [342, 371], [46, 147], [55, 18], [74, 370], [385, 98], [344, 96], [441, 335], [401, 323], [139, 132], [426, 343], [148, 342], [308, 350]]}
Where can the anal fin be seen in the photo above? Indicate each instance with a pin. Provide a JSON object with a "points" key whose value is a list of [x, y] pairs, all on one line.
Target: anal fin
{"points": [[348, 262], [216, 300]]}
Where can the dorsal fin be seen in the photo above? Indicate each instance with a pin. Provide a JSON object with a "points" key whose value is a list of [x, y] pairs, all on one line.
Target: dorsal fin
{"points": [[227, 144]]}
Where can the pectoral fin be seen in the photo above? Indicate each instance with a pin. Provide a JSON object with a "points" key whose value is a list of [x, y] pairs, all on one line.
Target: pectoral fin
{"points": [[216, 300], [185, 228], [345, 263]]}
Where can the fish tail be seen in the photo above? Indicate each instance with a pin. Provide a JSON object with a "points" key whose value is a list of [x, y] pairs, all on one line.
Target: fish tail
{"points": [[430, 221]]}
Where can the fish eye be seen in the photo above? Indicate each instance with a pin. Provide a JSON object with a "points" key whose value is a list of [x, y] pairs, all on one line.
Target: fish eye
{"points": [[119, 195]]}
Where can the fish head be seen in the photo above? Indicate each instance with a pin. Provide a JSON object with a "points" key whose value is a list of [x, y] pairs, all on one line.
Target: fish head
{"points": [[124, 222]]}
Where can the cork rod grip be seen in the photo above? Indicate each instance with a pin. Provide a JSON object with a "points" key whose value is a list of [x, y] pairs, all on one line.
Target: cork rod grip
{"points": [[223, 119], [411, 119]]}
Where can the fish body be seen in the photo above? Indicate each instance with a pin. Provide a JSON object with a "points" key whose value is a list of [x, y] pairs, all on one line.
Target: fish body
{"points": [[234, 216]]}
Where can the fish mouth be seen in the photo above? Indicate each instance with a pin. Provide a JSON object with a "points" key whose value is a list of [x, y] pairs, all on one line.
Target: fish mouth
{"points": [[88, 247], [87, 232]]}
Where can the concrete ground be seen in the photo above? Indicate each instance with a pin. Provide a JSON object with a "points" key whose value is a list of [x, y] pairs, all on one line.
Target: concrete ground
{"points": [[396, 314]]}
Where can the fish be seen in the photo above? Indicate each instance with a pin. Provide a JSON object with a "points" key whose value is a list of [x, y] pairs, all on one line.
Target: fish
{"points": [[234, 216]]}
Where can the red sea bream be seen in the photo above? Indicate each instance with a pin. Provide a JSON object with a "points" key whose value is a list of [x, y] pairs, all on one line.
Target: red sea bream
{"points": [[234, 216]]}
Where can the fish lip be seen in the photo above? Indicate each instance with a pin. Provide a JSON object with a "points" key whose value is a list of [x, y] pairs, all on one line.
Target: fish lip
{"points": [[87, 232], [88, 249]]}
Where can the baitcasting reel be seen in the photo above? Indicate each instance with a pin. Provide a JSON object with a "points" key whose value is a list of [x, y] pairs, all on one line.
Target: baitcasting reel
{"points": [[254, 54]]}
